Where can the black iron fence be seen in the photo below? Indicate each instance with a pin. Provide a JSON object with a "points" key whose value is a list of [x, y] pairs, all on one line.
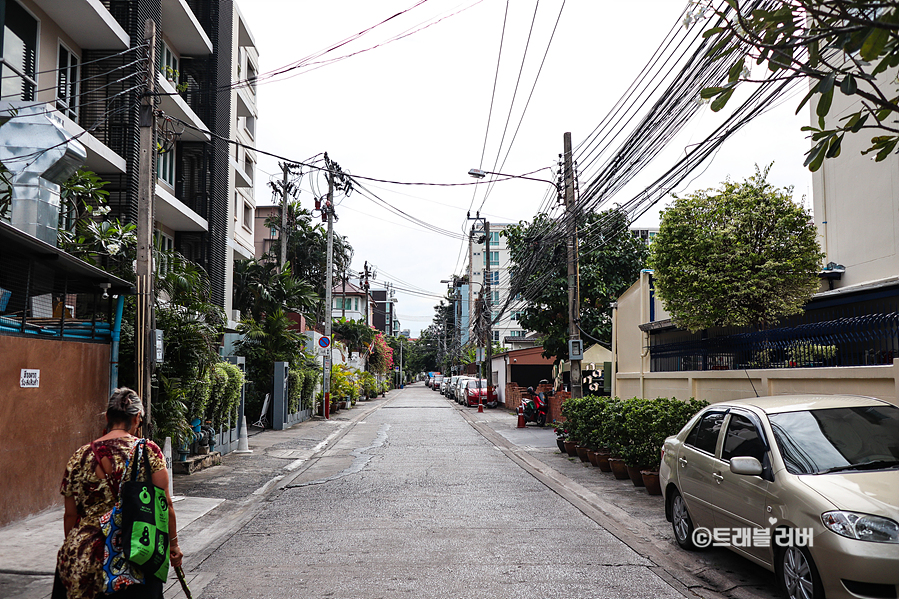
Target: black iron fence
{"points": [[851, 335]]}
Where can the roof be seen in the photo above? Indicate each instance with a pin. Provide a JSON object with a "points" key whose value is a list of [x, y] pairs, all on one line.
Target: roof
{"points": [[796, 403], [82, 276], [347, 289]]}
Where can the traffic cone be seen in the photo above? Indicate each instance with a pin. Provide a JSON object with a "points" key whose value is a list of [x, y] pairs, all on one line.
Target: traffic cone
{"points": [[520, 417], [243, 441]]}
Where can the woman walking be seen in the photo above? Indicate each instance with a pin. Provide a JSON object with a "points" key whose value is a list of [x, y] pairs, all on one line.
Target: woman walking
{"points": [[91, 488]]}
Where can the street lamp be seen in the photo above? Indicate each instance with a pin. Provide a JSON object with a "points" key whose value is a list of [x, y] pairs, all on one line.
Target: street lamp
{"points": [[480, 174]]}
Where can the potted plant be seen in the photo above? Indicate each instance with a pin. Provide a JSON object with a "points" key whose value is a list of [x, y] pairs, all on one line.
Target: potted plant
{"points": [[561, 435], [810, 354], [615, 437]]}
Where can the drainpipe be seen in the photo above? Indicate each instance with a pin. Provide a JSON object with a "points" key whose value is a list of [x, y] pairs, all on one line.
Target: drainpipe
{"points": [[114, 348]]}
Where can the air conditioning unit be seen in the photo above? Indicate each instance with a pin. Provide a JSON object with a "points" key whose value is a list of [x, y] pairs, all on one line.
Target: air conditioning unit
{"points": [[235, 315]]}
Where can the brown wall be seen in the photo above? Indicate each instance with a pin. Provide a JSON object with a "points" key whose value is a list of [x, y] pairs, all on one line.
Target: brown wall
{"points": [[41, 427]]}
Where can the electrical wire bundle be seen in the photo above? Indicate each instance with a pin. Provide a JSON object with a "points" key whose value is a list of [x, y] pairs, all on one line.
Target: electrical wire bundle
{"points": [[670, 112]]}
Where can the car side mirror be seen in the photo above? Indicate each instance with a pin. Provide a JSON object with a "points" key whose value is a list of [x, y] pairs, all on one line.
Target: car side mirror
{"points": [[746, 465]]}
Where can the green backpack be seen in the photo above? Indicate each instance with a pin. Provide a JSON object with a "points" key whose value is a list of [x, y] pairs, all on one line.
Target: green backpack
{"points": [[145, 518]]}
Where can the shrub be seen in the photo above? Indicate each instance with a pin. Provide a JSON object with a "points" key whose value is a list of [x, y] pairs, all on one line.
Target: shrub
{"points": [[650, 422]]}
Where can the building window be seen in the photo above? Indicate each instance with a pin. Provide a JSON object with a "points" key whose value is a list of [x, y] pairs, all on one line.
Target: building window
{"points": [[494, 277], [357, 304], [168, 63], [516, 333], [19, 63], [67, 83], [515, 316], [496, 335], [495, 297], [251, 77], [494, 258], [166, 245], [247, 217], [494, 237], [249, 166], [165, 167]]}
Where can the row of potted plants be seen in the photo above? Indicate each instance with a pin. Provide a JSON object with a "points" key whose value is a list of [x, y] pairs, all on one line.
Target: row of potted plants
{"points": [[623, 436]]}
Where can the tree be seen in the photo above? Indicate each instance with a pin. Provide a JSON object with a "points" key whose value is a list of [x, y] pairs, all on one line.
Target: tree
{"points": [[610, 259], [845, 45], [261, 288], [744, 254], [307, 247]]}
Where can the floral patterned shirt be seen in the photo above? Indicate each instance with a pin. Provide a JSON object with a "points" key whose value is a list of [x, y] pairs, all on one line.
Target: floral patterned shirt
{"points": [[80, 559]]}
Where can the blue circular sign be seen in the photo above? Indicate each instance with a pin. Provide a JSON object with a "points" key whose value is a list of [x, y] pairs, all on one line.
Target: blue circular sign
{"points": [[324, 342]]}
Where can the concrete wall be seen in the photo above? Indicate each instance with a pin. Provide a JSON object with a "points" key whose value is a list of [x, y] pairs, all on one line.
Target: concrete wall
{"points": [[41, 427], [856, 202], [722, 385]]}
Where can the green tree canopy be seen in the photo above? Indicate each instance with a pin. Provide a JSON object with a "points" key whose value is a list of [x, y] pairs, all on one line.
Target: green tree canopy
{"points": [[307, 247], [610, 259], [845, 46], [744, 254], [260, 288]]}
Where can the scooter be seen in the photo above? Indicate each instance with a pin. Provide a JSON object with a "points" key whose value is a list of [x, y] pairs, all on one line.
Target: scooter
{"points": [[535, 409]]}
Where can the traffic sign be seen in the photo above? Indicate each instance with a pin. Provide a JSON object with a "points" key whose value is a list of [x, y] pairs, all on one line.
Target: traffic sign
{"points": [[324, 342]]}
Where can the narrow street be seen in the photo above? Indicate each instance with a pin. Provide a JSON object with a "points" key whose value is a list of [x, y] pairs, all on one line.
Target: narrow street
{"points": [[415, 499]]}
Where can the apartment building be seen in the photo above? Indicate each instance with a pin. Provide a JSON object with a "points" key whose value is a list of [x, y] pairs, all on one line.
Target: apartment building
{"points": [[80, 66], [505, 322]]}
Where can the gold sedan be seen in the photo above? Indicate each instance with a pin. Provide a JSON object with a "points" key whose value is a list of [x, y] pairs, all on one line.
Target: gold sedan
{"points": [[805, 486]]}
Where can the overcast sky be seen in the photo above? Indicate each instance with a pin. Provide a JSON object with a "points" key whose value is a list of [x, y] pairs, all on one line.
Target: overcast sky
{"points": [[416, 110]]}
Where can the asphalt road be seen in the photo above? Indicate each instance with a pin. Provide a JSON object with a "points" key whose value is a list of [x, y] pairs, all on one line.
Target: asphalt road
{"points": [[417, 498]]}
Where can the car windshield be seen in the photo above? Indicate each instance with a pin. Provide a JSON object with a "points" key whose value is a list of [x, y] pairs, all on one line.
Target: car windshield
{"points": [[477, 384], [838, 439]]}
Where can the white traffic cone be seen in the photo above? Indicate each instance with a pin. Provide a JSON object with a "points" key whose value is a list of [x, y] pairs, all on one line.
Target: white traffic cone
{"points": [[243, 441]]}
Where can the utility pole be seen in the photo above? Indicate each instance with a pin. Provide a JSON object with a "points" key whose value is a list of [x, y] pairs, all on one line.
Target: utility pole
{"points": [[574, 300], [329, 207], [365, 288], [485, 305], [286, 169], [144, 348]]}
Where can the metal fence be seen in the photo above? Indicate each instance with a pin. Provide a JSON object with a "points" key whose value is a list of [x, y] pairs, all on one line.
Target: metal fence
{"points": [[852, 335]]}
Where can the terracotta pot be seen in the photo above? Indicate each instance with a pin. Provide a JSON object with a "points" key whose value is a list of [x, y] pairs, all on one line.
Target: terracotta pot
{"points": [[634, 474], [571, 448], [561, 443], [618, 468], [582, 453], [651, 481], [591, 455], [602, 461]]}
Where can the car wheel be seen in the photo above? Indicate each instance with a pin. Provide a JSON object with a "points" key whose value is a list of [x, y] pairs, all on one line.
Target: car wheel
{"points": [[681, 522], [798, 575]]}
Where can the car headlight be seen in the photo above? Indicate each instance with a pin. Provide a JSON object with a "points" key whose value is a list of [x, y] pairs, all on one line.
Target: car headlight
{"points": [[863, 527]]}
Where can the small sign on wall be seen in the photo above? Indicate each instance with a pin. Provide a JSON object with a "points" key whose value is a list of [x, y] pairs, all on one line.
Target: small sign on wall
{"points": [[30, 378]]}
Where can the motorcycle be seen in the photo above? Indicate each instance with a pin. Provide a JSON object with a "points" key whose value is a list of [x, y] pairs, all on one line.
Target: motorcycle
{"points": [[535, 409]]}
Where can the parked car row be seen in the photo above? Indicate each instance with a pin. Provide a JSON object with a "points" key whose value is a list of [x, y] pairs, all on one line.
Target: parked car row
{"points": [[467, 390], [805, 486]]}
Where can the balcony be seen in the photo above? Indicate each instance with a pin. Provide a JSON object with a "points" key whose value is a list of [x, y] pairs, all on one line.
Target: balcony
{"points": [[180, 25], [88, 23], [174, 105], [241, 177], [173, 213]]}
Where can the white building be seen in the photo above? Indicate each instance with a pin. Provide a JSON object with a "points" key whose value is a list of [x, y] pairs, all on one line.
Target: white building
{"points": [[505, 322]]}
